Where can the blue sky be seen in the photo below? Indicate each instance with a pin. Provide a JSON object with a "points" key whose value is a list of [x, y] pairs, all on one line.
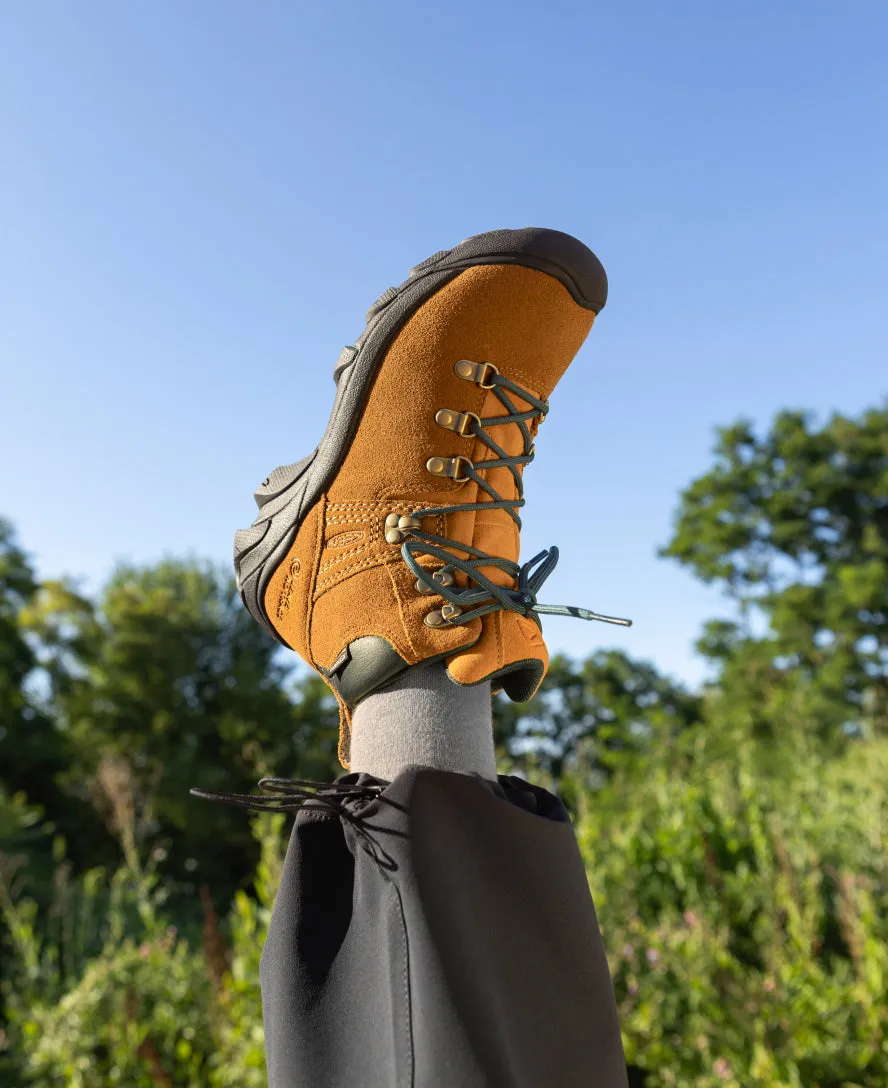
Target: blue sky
{"points": [[199, 201]]}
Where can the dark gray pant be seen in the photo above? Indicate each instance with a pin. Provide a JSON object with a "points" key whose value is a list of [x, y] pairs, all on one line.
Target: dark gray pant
{"points": [[436, 932]]}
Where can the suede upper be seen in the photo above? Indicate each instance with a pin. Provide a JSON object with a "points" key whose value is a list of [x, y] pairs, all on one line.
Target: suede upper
{"points": [[341, 579]]}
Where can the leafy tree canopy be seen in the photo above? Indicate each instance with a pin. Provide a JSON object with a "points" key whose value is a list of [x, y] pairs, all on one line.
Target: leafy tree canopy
{"points": [[794, 527]]}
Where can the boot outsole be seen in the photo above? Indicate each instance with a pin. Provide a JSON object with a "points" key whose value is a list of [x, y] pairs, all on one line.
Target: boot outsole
{"points": [[288, 493]]}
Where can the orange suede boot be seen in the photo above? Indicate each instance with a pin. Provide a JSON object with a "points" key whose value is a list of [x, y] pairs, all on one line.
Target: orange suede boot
{"points": [[396, 542]]}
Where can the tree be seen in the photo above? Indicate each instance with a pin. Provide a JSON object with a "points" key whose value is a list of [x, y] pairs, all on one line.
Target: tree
{"points": [[33, 752], [170, 671], [600, 714], [794, 527]]}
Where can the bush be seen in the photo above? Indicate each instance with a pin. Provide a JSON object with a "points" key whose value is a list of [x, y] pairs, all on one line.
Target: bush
{"points": [[149, 1008], [745, 918]]}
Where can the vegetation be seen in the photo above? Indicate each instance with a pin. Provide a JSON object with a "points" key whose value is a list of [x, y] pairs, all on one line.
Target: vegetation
{"points": [[734, 837]]}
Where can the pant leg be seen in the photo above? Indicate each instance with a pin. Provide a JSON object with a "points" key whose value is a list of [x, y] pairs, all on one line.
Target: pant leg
{"points": [[444, 939]]}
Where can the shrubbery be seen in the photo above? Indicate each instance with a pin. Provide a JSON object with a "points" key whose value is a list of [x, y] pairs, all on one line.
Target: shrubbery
{"points": [[745, 920]]}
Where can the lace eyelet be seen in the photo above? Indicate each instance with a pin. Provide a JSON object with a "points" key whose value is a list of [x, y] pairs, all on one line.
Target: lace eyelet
{"points": [[457, 421], [475, 372], [448, 466]]}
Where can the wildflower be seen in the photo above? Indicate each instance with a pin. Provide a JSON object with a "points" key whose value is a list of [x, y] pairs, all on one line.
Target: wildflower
{"points": [[652, 956], [690, 917], [769, 984], [721, 1067], [628, 951], [632, 988], [144, 949]]}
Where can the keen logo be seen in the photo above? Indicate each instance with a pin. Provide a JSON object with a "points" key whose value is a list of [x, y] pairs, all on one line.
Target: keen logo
{"points": [[345, 538], [287, 588]]}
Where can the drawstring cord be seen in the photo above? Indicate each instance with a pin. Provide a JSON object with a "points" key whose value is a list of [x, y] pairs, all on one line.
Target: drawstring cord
{"points": [[296, 794]]}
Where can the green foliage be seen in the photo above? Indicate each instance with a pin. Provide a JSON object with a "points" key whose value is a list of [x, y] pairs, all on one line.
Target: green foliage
{"points": [[33, 752], [745, 917], [169, 670], [602, 712], [794, 527], [745, 922], [17, 586], [112, 994]]}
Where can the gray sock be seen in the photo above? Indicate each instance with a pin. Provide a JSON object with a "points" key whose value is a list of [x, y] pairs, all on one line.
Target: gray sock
{"points": [[423, 717]]}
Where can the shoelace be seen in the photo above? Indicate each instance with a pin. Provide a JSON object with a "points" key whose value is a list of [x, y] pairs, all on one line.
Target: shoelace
{"points": [[523, 598]]}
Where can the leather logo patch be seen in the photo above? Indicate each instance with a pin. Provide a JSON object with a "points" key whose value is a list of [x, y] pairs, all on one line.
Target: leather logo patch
{"points": [[351, 537]]}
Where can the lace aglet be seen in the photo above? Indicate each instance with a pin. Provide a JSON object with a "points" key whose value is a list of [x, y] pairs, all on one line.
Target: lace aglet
{"points": [[609, 619], [580, 613]]}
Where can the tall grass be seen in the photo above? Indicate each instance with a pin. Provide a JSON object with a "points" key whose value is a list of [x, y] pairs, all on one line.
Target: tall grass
{"points": [[745, 920]]}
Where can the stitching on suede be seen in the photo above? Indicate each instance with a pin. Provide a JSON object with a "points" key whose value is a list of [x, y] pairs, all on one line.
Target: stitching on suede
{"points": [[386, 489], [404, 623], [346, 553], [339, 575], [366, 545], [309, 612], [344, 748]]}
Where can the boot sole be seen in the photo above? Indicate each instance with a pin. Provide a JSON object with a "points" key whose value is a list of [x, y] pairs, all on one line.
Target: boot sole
{"points": [[287, 495]]}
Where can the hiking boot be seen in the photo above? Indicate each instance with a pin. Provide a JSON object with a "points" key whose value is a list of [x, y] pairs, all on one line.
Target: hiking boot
{"points": [[396, 541]]}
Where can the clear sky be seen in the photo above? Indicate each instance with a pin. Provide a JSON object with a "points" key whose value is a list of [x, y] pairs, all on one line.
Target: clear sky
{"points": [[198, 202]]}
